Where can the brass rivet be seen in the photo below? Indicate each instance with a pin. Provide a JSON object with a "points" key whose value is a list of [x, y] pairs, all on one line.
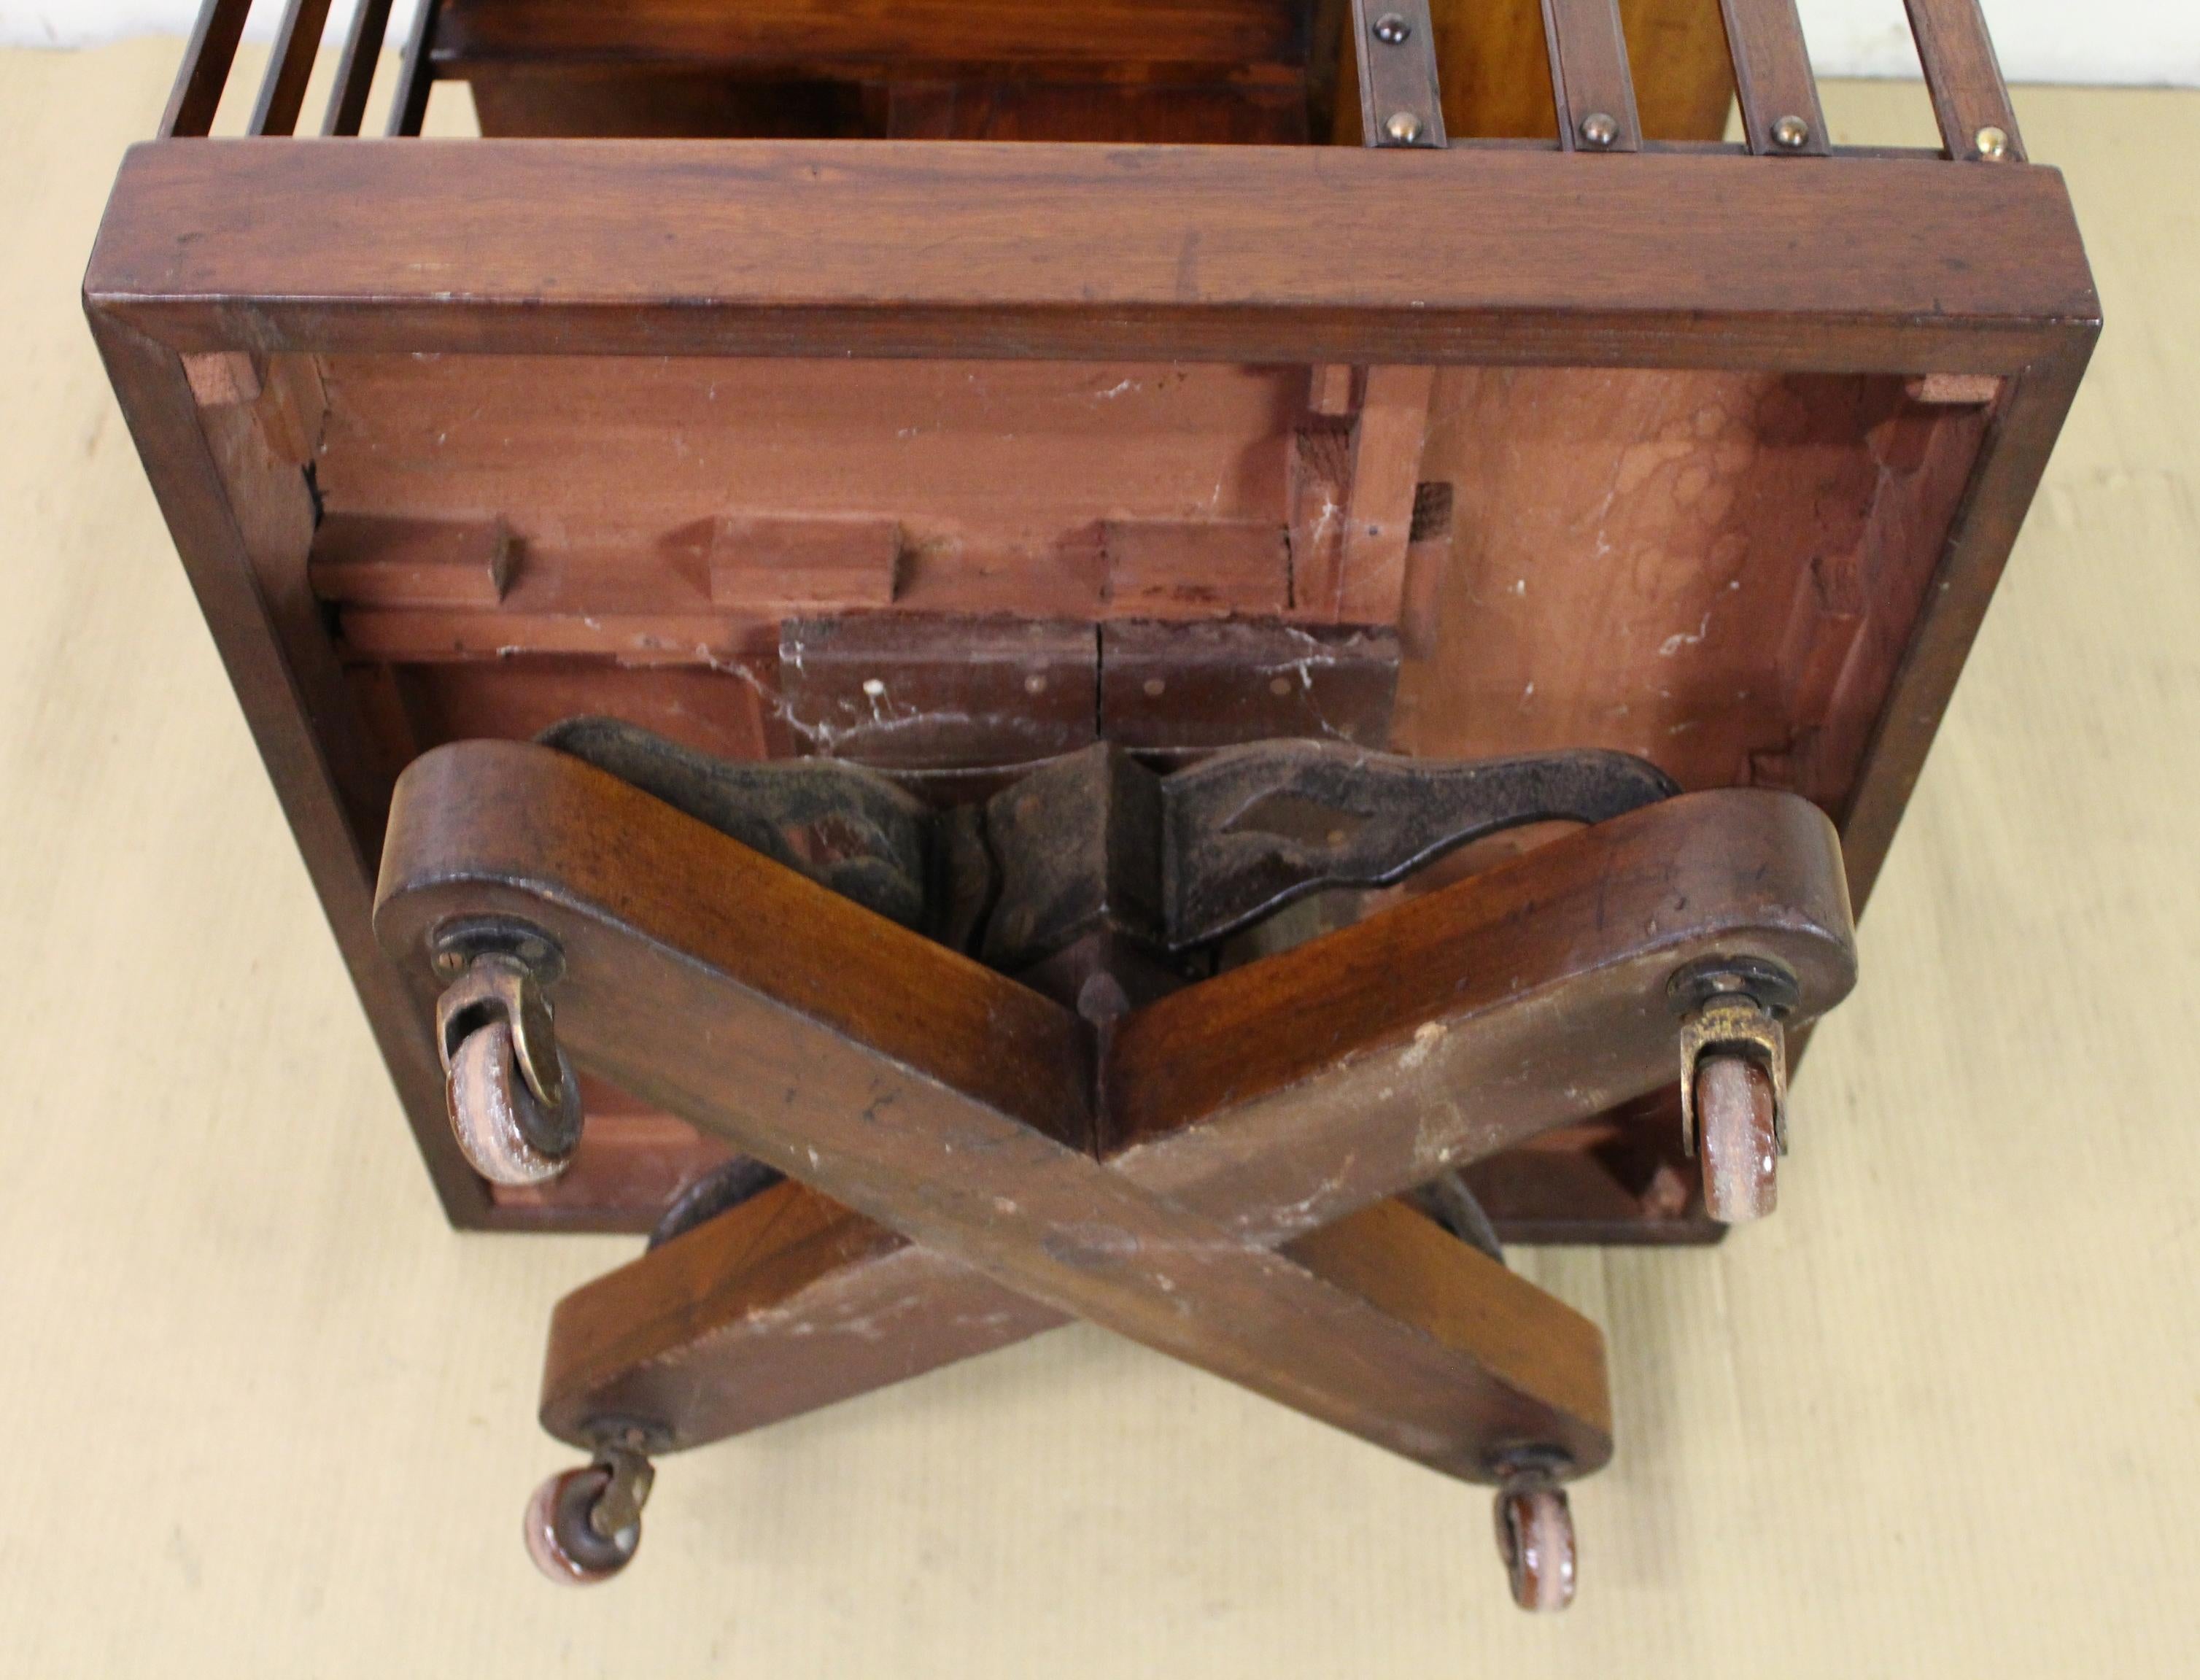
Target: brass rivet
{"points": [[1600, 129], [1404, 127], [1391, 30], [1790, 134], [1993, 143]]}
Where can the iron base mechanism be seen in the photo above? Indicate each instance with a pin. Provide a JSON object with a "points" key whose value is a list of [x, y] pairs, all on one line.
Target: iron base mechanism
{"points": [[1096, 842]]}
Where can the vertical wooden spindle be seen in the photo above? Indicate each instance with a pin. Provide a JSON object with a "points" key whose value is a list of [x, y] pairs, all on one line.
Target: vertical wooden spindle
{"points": [[1780, 109], [362, 53], [297, 44], [1970, 98], [208, 57], [409, 109], [1590, 82]]}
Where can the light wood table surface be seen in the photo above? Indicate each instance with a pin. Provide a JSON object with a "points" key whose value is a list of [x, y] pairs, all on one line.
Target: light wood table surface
{"points": [[264, 1415]]}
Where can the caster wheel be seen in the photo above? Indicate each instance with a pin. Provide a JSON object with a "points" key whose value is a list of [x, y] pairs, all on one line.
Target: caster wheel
{"points": [[560, 1538], [504, 1130], [1736, 1111], [1536, 1538]]}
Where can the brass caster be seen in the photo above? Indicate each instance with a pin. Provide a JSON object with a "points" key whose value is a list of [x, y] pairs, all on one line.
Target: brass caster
{"points": [[514, 1104], [1536, 1538], [1734, 1080], [583, 1526]]}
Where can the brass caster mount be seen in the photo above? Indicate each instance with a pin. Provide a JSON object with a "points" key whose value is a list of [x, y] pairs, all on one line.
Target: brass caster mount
{"points": [[583, 1526], [514, 1104], [1734, 1080]]}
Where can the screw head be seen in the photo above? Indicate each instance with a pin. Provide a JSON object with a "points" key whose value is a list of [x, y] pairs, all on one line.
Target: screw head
{"points": [[1404, 127], [1599, 130], [1993, 143], [1391, 30], [1790, 134]]}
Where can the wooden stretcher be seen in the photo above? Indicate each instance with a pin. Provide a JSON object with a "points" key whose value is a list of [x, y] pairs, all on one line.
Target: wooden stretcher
{"points": [[1014, 422]]}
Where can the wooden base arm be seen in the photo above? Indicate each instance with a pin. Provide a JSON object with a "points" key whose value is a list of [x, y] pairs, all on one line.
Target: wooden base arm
{"points": [[755, 1317], [791, 1303], [953, 1105]]}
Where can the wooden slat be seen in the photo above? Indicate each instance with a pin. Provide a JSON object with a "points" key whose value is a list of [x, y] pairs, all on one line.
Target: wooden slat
{"points": [[1210, 254], [289, 67], [1772, 73], [1590, 81], [208, 57], [362, 54], [1970, 97], [1492, 60], [1399, 102], [409, 109]]}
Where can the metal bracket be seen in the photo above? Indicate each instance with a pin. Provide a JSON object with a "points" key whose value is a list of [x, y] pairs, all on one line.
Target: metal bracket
{"points": [[1095, 842], [847, 829], [1400, 104], [1253, 828], [1732, 1006]]}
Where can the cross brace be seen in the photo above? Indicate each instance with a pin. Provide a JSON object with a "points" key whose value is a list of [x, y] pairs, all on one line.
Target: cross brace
{"points": [[1209, 1178]]}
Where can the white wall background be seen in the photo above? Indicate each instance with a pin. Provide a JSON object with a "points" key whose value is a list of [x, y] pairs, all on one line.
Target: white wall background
{"points": [[2134, 41]]}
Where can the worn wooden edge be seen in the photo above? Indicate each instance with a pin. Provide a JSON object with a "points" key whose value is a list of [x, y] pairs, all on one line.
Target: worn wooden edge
{"points": [[1196, 253], [157, 403], [2013, 458]]}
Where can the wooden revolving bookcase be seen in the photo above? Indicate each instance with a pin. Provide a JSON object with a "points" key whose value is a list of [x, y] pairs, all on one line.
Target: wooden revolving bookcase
{"points": [[953, 387]]}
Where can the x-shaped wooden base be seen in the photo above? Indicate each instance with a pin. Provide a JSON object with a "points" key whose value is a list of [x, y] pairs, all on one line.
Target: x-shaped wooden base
{"points": [[1209, 1178]]}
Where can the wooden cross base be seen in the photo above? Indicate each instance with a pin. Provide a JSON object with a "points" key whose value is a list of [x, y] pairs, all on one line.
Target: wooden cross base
{"points": [[1215, 1175]]}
